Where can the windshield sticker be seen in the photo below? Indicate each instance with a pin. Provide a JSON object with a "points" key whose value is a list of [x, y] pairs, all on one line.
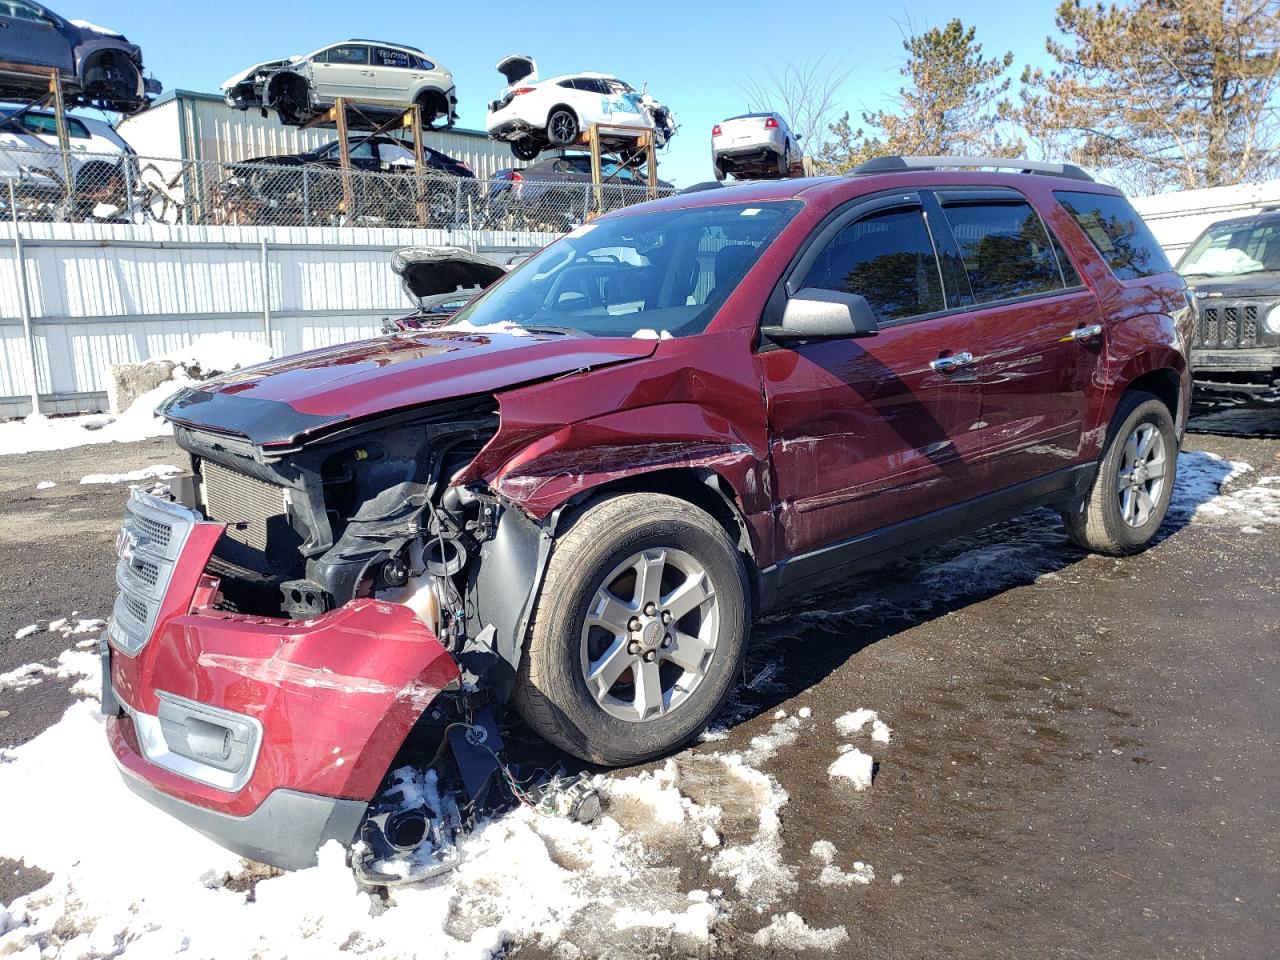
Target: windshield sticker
{"points": [[583, 230], [750, 212]]}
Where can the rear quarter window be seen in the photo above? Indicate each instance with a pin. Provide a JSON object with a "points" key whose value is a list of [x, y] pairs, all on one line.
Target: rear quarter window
{"points": [[1117, 232]]}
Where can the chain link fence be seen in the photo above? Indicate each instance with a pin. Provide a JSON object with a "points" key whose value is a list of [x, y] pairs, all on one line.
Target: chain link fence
{"points": [[49, 185]]}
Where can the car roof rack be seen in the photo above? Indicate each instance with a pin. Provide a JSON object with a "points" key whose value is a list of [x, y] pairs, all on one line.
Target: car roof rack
{"points": [[906, 164]]}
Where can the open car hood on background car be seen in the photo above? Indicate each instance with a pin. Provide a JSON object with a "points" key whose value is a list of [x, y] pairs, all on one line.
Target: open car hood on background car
{"points": [[518, 68], [430, 271], [282, 401]]}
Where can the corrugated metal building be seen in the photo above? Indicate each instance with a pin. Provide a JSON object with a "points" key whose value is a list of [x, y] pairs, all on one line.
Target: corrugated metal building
{"points": [[184, 125]]}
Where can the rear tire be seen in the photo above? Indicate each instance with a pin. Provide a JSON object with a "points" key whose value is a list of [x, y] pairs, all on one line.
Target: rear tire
{"points": [[625, 694], [1130, 494], [720, 173], [784, 162], [562, 127]]}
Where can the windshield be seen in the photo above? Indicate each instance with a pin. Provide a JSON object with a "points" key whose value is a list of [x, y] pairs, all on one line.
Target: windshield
{"points": [[662, 274], [1231, 249]]}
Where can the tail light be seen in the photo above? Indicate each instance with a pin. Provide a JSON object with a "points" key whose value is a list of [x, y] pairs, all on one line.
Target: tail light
{"points": [[770, 123], [516, 178], [519, 90], [715, 131]]}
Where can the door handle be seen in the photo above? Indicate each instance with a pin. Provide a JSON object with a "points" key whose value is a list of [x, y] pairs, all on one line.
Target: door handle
{"points": [[951, 363], [1086, 333], [366, 73]]}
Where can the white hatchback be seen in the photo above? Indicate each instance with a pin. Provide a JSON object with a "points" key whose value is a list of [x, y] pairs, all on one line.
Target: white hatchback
{"points": [[534, 115], [102, 163], [757, 145]]}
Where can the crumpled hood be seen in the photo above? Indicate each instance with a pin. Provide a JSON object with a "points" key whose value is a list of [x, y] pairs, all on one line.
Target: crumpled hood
{"points": [[283, 401]]}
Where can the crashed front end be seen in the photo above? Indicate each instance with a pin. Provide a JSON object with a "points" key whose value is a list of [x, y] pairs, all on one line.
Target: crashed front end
{"points": [[285, 616]]}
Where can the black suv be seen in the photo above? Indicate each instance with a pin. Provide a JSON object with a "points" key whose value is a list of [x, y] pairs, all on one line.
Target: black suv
{"points": [[1234, 270]]}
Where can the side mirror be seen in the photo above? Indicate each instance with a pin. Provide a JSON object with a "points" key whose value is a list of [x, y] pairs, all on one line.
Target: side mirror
{"points": [[797, 137], [818, 314]]}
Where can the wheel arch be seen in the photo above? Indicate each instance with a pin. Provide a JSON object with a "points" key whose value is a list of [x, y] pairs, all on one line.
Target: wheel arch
{"points": [[1165, 384]]}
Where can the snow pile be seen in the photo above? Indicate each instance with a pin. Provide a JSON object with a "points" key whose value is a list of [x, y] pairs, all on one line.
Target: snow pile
{"points": [[154, 472], [855, 766], [789, 932], [1201, 476], [202, 358], [215, 353], [45, 485], [139, 422], [852, 722], [824, 851], [78, 665]]}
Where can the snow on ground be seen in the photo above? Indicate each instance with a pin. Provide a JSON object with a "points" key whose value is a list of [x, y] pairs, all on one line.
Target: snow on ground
{"points": [[824, 851], [151, 887], [789, 932], [139, 422], [45, 485], [154, 472], [854, 766]]}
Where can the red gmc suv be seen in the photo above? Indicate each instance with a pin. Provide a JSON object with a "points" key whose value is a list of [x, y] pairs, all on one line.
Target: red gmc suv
{"points": [[572, 495]]}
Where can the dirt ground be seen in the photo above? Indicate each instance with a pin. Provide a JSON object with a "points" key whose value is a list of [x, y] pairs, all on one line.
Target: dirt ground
{"points": [[1084, 758]]}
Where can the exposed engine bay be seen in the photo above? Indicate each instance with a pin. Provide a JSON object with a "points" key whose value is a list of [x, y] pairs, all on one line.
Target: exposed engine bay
{"points": [[352, 515], [367, 512]]}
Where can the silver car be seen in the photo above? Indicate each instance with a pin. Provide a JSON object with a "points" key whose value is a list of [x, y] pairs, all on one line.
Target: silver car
{"points": [[298, 88], [754, 145]]}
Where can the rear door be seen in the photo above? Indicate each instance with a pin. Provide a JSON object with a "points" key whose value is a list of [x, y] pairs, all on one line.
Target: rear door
{"points": [[869, 432], [29, 35], [394, 74], [1037, 333], [344, 71]]}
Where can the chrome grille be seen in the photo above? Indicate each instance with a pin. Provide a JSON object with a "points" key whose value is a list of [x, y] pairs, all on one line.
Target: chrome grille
{"points": [[1224, 324], [151, 538], [253, 510]]}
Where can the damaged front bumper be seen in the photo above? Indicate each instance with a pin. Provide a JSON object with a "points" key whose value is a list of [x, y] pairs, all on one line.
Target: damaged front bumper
{"points": [[270, 736]]}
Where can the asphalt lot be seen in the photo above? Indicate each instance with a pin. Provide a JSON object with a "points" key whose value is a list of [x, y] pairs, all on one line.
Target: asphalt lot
{"points": [[1084, 753]]}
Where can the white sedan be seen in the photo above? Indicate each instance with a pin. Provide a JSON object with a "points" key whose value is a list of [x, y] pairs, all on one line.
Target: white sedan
{"points": [[534, 115], [755, 145]]}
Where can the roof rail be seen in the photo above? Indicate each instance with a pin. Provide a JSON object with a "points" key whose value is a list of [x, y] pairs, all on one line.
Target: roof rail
{"points": [[905, 164]]}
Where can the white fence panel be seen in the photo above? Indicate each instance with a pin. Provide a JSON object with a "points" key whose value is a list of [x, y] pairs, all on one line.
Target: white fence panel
{"points": [[105, 294]]}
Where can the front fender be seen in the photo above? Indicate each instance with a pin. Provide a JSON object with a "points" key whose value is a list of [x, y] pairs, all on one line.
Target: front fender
{"points": [[590, 453]]}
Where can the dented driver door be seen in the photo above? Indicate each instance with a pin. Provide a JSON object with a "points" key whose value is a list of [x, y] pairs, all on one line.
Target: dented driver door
{"points": [[871, 432]]}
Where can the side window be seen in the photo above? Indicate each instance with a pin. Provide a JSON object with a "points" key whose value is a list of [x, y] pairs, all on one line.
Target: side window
{"points": [[400, 154], [422, 63], [1118, 233], [886, 257], [1005, 249], [386, 57], [351, 53], [23, 11], [362, 151], [77, 130]]}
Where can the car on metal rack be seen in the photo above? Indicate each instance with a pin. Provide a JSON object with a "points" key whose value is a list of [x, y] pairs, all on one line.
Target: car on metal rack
{"points": [[1233, 270], [572, 497], [308, 188], [759, 145], [557, 192], [100, 67], [535, 115], [298, 88]]}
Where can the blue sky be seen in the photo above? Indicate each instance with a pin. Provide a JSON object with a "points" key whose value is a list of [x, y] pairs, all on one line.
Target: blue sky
{"points": [[691, 54]]}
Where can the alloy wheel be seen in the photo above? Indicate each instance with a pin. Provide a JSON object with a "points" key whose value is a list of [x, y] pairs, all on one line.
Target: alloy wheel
{"points": [[1141, 478], [649, 634]]}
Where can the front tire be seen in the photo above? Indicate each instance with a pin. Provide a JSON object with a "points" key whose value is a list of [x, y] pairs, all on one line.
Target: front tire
{"points": [[639, 632], [1131, 491]]}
